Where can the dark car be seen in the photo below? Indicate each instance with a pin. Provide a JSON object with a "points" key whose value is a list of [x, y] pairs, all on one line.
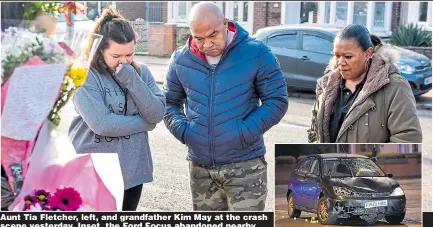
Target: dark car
{"points": [[344, 186], [304, 52]]}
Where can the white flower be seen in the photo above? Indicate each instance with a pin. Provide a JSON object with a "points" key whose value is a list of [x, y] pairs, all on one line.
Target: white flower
{"points": [[35, 207]]}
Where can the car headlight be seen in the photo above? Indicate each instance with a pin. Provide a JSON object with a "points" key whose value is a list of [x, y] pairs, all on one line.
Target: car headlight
{"points": [[404, 68], [398, 191], [343, 191]]}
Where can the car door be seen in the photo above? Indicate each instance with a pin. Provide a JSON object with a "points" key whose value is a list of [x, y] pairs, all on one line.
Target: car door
{"points": [[311, 187], [285, 47], [299, 182], [314, 55]]}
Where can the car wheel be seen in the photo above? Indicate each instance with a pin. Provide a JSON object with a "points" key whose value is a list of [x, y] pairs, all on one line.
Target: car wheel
{"points": [[395, 219], [325, 218], [291, 210]]}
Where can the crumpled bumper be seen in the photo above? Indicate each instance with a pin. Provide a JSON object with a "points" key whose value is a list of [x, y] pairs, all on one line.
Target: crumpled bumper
{"points": [[349, 207]]}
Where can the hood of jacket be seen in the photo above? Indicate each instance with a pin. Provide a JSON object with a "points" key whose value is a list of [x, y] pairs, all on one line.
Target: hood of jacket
{"points": [[381, 67]]}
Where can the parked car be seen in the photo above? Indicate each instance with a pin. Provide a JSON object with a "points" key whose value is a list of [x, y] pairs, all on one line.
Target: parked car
{"points": [[304, 51], [344, 186]]}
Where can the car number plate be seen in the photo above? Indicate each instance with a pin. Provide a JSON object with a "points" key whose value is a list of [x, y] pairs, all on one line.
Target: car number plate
{"points": [[380, 203], [427, 80]]}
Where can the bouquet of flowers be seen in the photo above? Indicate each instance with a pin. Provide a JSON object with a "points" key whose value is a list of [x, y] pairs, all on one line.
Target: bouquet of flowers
{"points": [[96, 179], [64, 199], [20, 45], [78, 66], [26, 57], [39, 76]]}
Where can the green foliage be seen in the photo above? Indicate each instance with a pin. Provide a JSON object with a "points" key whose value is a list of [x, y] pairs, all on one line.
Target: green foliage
{"points": [[141, 47], [183, 36], [411, 35], [31, 9]]}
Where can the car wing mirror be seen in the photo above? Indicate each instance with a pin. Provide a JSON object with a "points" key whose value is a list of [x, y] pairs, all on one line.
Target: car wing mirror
{"points": [[390, 175]]}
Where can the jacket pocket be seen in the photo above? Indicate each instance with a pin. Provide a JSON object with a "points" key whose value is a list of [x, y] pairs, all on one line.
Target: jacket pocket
{"points": [[241, 136], [185, 134]]}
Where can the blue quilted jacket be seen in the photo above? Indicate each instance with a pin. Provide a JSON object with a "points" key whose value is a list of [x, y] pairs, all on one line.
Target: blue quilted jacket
{"points": [[227, 109]]}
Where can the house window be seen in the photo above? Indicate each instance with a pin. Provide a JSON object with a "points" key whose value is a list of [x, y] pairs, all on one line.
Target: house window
{"points": [[245, 14], [379, 15], [376, 16], [327, 12], [180, 11], [181, 15], [94, 9], [423, 8], [360, 13], [341, 13], [235, 11], [105, 4]]}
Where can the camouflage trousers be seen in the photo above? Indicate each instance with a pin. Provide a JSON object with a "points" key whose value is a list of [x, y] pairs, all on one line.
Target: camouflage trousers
{"points": [[239, 186]]}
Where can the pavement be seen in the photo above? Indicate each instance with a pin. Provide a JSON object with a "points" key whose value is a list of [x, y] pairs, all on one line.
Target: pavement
{"points": [[411, 187]]}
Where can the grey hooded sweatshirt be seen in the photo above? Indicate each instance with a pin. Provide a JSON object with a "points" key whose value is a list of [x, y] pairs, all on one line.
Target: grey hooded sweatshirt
{"points": [[105, 124]]}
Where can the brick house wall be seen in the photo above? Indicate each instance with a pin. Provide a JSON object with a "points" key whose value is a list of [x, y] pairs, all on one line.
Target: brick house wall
{"points": [[395, 15], [274, 15], [316, 4]]}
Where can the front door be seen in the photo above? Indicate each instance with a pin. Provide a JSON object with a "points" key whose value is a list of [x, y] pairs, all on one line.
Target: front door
{"points": [[241, 12]]}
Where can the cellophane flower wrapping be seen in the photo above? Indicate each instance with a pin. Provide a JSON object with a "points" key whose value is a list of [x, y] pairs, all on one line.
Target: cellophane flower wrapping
{"points": [[24, 52], [55, 165]]}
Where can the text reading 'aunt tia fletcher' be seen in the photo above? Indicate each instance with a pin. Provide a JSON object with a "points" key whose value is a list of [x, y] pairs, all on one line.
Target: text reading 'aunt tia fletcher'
{"points": [[137, 219]]}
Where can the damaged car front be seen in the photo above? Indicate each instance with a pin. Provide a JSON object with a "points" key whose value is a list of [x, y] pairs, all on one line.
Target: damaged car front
{"points": [[357, 187]]}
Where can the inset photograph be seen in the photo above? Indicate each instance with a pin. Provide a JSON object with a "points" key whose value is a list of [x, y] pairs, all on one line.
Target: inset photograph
{"points": [[348, 184]]}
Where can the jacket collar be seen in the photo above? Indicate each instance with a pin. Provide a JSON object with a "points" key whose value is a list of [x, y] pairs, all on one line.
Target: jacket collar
{"points": [[377, 77], [239, 36]]}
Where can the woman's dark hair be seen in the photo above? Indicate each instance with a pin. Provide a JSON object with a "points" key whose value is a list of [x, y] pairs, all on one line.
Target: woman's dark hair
{"points": [[360, 34], [112, 26]]}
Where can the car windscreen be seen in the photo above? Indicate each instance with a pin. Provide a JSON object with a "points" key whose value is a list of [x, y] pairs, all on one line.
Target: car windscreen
{"points": [[351, 167]]}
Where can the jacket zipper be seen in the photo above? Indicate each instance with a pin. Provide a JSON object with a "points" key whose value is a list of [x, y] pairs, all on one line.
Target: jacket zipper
{"points": [[212, 74], [211, 117]]}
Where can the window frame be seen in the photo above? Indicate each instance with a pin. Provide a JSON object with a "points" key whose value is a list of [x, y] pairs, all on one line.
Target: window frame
{"points": [[282, 33], [99, 6], [299, 169], [317, 34], [318, 167]]}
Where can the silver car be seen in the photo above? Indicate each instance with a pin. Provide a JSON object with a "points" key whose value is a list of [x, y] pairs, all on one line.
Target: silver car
{"points": [[304, 51]]}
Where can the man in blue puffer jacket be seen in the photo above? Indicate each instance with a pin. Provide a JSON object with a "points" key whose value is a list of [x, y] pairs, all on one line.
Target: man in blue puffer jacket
{"points": [[221, 76]]}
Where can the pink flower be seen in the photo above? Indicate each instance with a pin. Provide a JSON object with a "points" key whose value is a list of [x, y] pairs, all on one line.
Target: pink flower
{"points": [[30, 200], [66, 199], [43, 196]]}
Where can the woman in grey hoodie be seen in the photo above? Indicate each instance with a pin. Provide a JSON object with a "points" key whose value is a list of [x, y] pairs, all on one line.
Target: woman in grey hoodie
{"points": [[117, 106]]}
